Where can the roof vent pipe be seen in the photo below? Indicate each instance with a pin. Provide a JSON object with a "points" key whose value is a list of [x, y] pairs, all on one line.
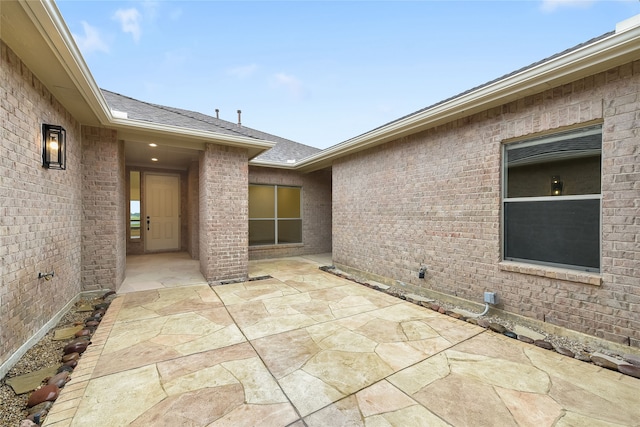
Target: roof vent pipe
{"points": [[217, 113], [239, 121]]}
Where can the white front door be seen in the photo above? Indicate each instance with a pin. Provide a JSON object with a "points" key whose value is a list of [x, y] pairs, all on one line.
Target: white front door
{"points": [[161, 223]]}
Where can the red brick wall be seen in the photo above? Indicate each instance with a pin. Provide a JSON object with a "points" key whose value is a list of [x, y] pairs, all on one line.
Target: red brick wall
{"points": [[104, 209], [40, 209], [433, 198], [316, 210], [224, 195]]}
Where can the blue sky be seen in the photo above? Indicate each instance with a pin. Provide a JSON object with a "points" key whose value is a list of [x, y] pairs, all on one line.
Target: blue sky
{"points": [[321, 72]]}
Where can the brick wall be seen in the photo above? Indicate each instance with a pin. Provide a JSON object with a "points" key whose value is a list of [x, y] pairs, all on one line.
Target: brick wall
{"points": [[104, 209], [40, 209], [316, 210], [433, 198], [224, 194], [193, 222]]}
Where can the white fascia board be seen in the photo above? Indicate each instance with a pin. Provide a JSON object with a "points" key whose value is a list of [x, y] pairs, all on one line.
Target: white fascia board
{"points": [[46, 16], [590, 59], [271, 164]]}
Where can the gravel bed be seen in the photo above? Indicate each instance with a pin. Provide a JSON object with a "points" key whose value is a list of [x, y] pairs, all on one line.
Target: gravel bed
{"points": [[43, 354]]}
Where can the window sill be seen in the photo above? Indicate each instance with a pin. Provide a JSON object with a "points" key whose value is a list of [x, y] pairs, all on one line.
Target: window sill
{"points": [[593, 279], [282, 246]]}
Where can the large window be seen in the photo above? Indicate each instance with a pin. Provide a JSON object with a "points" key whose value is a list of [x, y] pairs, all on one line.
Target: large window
{"points": [[274, 215], [551, 200]]}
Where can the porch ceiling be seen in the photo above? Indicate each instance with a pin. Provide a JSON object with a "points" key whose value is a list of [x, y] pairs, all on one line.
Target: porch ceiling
{"points": [[168, 157]]}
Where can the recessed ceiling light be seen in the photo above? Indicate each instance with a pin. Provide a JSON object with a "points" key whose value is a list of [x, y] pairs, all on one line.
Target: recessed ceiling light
{"points": [[153, 159], [153, 145]]}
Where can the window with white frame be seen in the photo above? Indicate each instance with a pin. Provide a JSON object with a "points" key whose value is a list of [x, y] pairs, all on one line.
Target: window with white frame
{"points": [[552, 200], [274, 215]]}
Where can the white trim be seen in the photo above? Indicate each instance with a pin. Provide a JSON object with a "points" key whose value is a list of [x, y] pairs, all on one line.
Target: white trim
{"points": [[554, 198]]}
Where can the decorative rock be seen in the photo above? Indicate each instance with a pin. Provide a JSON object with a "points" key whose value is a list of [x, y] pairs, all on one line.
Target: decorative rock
{"points": [[543, 344], [43, 394], [44, 406], [65, 368], [510, 334], [76, 347], [70, 356], [496, 327], [472, 321], [442, 310], [484, 323], [98, 314], [606, 361], [583, 356], [454, 315], [632, 358], [91, 323], [71, 363], [91, 319], [38, 417], [525, 338], [83, 333], [528, 332], [101, 306], [629, 369], [27, 423], [59, 379], [565, 352], [434, 307]]}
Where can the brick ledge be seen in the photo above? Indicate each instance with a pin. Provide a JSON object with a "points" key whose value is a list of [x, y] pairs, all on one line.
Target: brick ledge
{"points": [[593, 279]]}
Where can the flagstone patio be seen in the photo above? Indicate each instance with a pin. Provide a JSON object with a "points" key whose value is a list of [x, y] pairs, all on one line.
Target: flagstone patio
{"points": [[307, 348]]}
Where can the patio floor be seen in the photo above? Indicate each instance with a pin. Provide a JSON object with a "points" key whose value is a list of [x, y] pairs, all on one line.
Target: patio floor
{"points": [[306, 348]]}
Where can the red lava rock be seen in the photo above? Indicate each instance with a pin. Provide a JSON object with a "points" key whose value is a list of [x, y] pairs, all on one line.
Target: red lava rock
{"points": [[83, 332], [442, 310], [46, 393], [525, 338], [434, 307], [59, 379], [70, 356], [454, 315], [76, 347], [543, 344], [629, 369]]}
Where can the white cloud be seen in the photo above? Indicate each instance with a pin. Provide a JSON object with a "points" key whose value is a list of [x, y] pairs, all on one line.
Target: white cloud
{"points": [[130, 22], [243, 71], [291, 84], [91, 41], [552, 5]]}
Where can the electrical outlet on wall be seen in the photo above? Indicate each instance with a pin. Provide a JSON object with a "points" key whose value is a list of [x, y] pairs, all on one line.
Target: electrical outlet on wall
{"points": [[490, 298]]}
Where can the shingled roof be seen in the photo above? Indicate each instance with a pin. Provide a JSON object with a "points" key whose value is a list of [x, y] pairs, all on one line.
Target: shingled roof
{"points": [[284, 150]]}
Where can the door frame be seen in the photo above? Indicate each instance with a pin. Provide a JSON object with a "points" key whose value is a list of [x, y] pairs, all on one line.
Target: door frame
{"points": [[143, 219]]}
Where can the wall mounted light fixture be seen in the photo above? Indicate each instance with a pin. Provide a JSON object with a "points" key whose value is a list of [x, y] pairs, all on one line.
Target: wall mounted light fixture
{"points": [[54, 146], [556, 186]]}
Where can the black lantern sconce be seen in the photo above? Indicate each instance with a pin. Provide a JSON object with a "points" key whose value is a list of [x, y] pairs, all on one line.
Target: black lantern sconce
{"points": [[556, 186], [54, 146]]}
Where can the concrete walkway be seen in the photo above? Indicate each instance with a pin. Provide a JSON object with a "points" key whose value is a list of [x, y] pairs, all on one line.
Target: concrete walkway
{"points": [[306, 348]]}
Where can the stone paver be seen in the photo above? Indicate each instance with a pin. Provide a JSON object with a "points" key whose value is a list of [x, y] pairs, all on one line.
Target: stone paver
{"points": [[306, 348]]}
